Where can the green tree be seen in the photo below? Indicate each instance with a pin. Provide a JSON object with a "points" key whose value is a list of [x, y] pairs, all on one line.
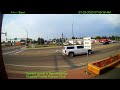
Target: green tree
{"points": [[22, 40], [92, 37], [34, 41], [45, 40], [117, 37], [38, 41], [73, 37], [61, 40], [113, 38], [64, 40], [110, 37], [57, 40], [103, 37], [97, 37], [42, 40]]}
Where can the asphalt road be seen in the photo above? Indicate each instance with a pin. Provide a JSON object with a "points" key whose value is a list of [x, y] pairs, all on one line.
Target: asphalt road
{"points": [[36, 60]]}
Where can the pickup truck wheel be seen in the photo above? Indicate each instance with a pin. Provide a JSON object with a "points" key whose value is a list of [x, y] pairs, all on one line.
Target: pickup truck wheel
{"points": [[89, 52], [71, 54]]}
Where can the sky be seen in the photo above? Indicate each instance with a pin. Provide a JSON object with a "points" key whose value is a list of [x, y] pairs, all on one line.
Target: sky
{"points": [[49, 26]]}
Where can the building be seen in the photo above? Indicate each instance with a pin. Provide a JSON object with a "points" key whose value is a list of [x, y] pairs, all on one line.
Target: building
{"points": [[18, 41], [78, 41]]}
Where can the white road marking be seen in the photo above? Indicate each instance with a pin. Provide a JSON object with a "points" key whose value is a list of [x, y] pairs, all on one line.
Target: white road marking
{"points": [[44, 66], [18, 51], [14, 52], [10, 52]]}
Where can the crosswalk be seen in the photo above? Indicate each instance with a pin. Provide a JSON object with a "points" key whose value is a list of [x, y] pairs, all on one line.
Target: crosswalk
{"points": [[14, 52]]}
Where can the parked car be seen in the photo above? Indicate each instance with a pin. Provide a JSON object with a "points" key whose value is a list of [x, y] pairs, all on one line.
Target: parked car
{"points": [[113, 41]]}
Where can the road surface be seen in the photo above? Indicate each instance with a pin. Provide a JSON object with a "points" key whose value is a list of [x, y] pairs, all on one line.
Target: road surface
{"points": [[37, 60]]}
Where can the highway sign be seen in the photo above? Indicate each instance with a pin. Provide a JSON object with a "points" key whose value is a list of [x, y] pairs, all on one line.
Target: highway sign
{"points": [[87, 42]]}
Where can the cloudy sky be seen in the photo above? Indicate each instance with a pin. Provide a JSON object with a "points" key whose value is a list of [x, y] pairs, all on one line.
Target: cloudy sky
{"points": [[49, 26]]}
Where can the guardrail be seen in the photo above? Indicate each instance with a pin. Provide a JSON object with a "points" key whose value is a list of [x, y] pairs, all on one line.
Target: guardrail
{"points": [[101, 66]]}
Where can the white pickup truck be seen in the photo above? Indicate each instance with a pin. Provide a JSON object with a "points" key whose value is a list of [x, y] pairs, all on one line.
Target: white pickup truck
{"points": [[75, 50]]}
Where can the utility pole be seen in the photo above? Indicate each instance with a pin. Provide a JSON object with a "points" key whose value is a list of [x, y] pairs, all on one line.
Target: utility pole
{"points": [[62, 39], [40, 41], [27, 34], [73, 33], [27, 37], [47, 39]]}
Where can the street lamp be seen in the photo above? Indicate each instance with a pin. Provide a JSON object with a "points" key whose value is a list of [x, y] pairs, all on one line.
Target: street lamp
{"points": [[62, 40], [27, 35], [73, 33]]}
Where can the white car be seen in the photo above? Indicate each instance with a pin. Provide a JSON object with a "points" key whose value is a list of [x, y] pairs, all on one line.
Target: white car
{"points": [[113, 41], [75, 50]]}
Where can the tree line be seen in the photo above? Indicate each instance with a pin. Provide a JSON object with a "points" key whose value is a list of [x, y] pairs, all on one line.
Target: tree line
{"points": [[110, 37], [43, 41], [61, 40]]}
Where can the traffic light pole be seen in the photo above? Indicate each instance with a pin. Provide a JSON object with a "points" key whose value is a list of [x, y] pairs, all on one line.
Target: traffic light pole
{"points": [[73, 34], [27, 35], [62, 40]]}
